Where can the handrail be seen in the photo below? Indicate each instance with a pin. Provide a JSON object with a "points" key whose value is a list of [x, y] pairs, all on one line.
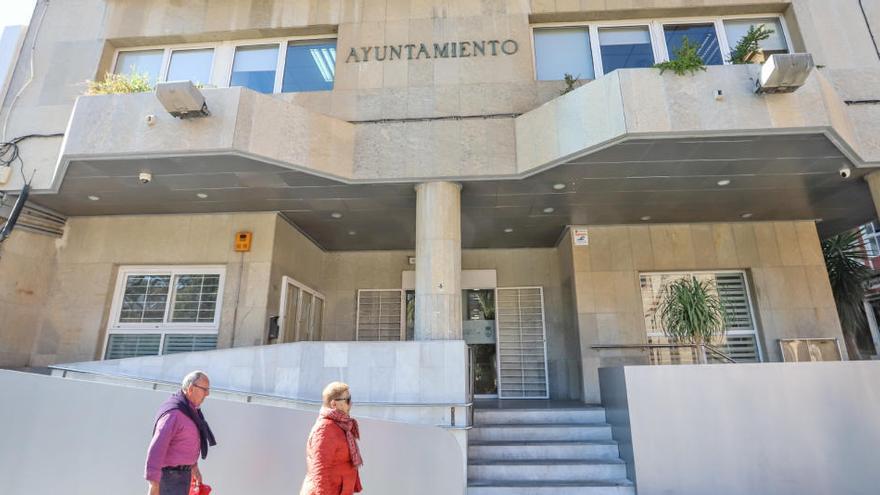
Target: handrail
{"points": [[701, 348], [249, 395]]}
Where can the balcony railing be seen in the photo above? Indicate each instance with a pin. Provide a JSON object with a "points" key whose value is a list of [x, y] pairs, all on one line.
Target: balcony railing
{"points": [[657, 354]]}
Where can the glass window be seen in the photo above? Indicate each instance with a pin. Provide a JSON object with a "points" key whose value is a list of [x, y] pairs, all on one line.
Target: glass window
{"points": [[191, 65], [195, 298], [254, 67], [738, 28], [147, 62], [309, 66], [144, 299], [624, 48], [563, 51], [167, 298], [702, 35], [871, 238]]}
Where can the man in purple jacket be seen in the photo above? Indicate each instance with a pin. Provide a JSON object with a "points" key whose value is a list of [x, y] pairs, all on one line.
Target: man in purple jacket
{"points": [[180, 433]]}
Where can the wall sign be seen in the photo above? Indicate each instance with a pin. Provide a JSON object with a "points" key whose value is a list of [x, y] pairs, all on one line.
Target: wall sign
{"points": [[580, 236], [452, 49]]}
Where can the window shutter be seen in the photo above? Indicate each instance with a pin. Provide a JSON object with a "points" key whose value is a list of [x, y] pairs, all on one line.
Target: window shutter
{"points": [[521, 351], [175, 343], [132, 345], [379, 314]]}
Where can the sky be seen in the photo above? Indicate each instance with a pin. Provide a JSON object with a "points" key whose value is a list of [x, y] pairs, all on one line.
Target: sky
{"points": [[15, 12]]}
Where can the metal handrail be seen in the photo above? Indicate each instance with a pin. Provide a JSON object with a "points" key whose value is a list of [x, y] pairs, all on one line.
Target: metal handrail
{"points": [[700, 348], [248, 396]]}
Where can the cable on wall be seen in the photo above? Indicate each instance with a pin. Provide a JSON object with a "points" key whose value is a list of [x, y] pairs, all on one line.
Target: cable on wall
{"points": [[870, 31]]}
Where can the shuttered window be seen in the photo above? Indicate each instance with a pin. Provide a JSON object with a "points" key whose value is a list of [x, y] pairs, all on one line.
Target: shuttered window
{"points": [[164, 309], [380, 314], [521, 343], [740, 340]]}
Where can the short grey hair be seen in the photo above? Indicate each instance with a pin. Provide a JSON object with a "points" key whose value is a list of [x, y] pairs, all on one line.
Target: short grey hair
{"points": [[191, 378]]}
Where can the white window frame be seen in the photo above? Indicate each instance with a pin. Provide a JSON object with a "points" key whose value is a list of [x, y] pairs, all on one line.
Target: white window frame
{"points": [[357, 323], [286, 282], [752, 306], [658, 37], [224, 57], [165, 327], [870, 238]]}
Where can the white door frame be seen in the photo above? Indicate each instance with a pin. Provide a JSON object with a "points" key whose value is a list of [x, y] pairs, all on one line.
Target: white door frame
{"points": [[286, 282], [544, 340]]}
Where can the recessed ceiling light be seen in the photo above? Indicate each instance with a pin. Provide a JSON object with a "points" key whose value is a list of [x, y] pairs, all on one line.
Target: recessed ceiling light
{"points": [[336, 214], [508, 230], [746, 215], [724, 182], [646, 218], [820, 220], [94, 198], [352, 232], [201, 195], [549, 210], [560, 186]]}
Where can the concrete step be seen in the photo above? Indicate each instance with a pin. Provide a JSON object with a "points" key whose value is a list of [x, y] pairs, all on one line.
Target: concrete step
{"points": [[553, 432], [558, 470], [586, 414], [617, 487], [508, 451]]}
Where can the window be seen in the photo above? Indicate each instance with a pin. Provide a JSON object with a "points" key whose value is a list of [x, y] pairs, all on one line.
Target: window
{"points": [[191, 65], [589, 50], [741, 337], [380, 314], [147, 62], [625, 48], [737, 28], [871, 238], [309, 66], [703, 36], [563, 51], [302, 312], [254, 67], [162, 310]]}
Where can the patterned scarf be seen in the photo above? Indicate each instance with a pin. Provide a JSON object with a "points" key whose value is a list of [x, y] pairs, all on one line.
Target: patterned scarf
{"points": [[350, 426]]}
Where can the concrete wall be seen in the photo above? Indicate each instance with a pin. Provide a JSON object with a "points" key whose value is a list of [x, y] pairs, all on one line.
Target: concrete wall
{"points": [[27, 266], [93, 248], [425, 372], [792, 295], [93, 438], [65, 55], [786, 429]]}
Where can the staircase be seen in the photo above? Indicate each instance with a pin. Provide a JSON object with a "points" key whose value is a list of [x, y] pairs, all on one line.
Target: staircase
{"points": [[532, 451]]}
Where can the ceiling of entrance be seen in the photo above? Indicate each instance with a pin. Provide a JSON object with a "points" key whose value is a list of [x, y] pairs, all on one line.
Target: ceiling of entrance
{"points": [[636, 182]]}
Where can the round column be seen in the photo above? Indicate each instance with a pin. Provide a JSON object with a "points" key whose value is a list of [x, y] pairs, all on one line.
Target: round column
{"points": [[438, 261]]}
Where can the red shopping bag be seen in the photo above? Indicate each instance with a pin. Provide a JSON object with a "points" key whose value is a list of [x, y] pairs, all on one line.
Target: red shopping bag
{"points": [[195, 488]]}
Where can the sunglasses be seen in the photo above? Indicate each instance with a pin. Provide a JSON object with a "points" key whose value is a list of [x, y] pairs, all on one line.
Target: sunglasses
{"points": [[345, 399]]}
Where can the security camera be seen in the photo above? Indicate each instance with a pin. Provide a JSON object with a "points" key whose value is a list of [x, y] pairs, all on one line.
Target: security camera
{"points": [[145, 177], [845, 172]]}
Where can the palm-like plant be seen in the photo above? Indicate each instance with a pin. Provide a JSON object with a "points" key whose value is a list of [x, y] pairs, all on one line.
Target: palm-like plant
{"points": [[848, 272], [691, 311]]}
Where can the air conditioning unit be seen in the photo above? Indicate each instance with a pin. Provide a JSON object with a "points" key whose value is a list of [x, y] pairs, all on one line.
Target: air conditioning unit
{"points": [[182, 99], [784, 73]]}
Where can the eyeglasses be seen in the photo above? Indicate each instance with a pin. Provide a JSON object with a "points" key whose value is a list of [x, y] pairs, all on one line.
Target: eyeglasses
{"points": [[205, 389], [345, 399]]}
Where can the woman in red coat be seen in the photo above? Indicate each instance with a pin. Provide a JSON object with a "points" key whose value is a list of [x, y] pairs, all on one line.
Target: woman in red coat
{"points": [[332, 454]]}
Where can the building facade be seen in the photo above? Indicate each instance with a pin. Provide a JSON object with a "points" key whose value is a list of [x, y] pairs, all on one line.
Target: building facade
{"points": [[422, 170]]}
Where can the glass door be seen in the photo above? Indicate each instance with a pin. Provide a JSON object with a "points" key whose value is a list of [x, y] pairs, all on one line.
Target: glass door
{"points": [[479, 332]]}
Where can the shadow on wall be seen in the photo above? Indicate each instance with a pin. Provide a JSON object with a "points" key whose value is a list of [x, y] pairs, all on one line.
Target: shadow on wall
{"points": [[86, 438]]}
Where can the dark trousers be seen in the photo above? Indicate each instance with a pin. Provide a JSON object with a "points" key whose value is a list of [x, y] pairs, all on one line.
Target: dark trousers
{"points": [[175, 482]]}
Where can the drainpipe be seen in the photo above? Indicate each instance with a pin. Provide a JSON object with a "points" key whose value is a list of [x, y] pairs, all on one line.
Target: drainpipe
{"points": [[870, 31]]}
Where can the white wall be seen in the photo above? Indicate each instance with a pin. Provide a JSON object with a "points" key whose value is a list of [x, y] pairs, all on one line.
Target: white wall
{"points": [[780, 428], [84, 438]]}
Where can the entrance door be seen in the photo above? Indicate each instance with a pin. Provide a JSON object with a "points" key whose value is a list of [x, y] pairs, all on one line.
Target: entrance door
{"points": [[478, 329], [522, 343], [302, 312]]}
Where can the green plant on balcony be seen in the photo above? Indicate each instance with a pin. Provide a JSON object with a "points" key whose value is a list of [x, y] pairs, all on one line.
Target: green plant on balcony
{"points": [[116, 84], [571, 83], [686, 60], [848, 272], [691, 312], [749, 45]]}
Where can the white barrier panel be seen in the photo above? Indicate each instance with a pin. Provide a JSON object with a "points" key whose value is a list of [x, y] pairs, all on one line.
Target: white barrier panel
{"points": [[746, 429], [86, 438]]}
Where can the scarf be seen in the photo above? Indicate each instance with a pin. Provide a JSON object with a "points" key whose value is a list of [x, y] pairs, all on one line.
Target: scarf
{"points": [[181, 403], [350, 426]]}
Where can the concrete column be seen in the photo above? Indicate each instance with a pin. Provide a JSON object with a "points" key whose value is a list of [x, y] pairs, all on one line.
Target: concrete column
{"points": [[438, 261]]}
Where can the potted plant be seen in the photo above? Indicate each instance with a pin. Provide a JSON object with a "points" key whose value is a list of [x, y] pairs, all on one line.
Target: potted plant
{"points": [[748, 49], [691, 312], [848, 273], [686, 60], [115, 84]]}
